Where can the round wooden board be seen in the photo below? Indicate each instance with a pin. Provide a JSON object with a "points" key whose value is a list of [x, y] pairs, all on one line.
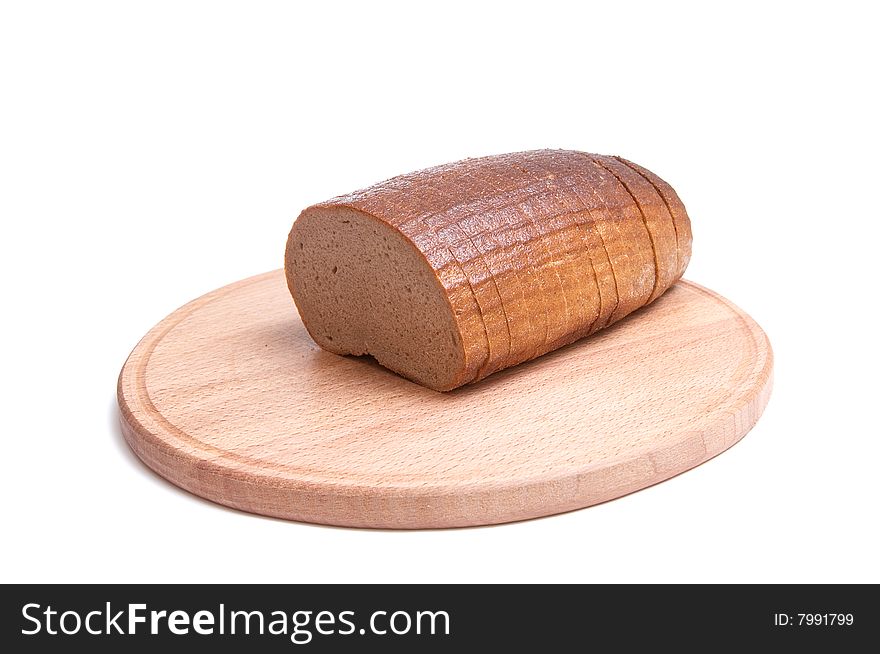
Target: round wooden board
{"points": [[229, 398]]}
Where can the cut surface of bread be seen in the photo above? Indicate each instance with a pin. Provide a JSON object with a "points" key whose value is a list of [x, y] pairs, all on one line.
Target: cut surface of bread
{"points": [[450, 274], [406, 203], [362, 288]]}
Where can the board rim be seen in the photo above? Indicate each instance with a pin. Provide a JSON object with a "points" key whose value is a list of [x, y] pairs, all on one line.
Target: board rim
{"points": [[143, 437]]}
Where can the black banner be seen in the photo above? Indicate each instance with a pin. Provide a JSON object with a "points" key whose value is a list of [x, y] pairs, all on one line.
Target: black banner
{"points": [[435, 618]]}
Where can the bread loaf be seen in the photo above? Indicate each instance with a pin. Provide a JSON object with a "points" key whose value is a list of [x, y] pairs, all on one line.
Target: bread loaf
{"points": [[449, 274]]}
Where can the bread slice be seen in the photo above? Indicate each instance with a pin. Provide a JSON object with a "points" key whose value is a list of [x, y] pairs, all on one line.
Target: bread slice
{"points": [[626, 240], [487, 192], [558, 245], [680, 220], [501, 237], [584, 206], [555, 213], [657, 219], [416, 198], [449, 274], [484, 287], [405, 202], [574, 266], [438, 196], [362, 288]]}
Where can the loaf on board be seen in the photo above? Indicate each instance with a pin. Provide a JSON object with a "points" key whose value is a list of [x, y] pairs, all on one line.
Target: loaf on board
{"points": [[449, 274]]}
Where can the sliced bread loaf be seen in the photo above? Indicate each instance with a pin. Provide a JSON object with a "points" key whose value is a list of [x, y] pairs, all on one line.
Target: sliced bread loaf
{"points": [[449, 274]]}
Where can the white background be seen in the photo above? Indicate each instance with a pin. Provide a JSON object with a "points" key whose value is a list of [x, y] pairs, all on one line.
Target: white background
{"points": [[150, 152]]}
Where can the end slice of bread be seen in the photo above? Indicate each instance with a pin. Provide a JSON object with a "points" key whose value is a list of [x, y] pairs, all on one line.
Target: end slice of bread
{"points": [[362, 288]]}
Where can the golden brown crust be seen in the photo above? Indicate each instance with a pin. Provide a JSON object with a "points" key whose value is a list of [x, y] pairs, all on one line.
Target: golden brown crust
{"points": [[484, 210], [630, 248], [657, 219], [499, 218], [626, 242], [586, 206], [680, 220], [562, 221], [553, 229]]}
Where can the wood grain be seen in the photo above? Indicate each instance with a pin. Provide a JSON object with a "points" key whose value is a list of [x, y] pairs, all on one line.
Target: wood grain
{"points": [[229, 398]]}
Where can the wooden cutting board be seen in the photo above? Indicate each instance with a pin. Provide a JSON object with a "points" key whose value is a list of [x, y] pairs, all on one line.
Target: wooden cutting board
{"points": [[229, 398]]}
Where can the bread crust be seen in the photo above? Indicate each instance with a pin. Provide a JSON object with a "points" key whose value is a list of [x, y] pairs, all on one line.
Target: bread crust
{"points": [[632, 258], [484, 212], [680, 220], [551, 227], [587, 208], [657, 219]]}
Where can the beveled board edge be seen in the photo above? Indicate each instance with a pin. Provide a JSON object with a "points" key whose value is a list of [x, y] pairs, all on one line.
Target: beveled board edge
{"points": [[195, 468]]}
